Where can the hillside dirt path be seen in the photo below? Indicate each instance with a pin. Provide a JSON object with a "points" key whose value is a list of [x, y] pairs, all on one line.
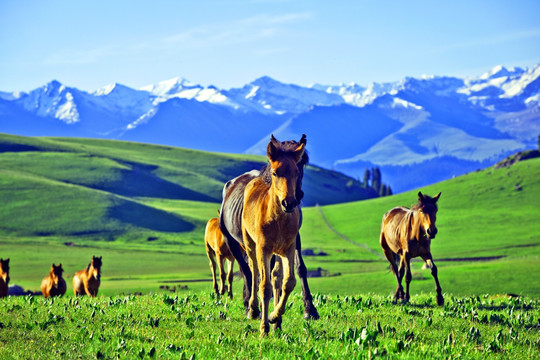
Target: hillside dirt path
{"points": [[364, 246]]}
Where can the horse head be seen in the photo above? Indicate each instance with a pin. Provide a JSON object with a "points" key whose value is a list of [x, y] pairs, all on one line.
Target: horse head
{"points": [[4, 265], [96, 264], [284, 170], [427, 207], [57, 272]]}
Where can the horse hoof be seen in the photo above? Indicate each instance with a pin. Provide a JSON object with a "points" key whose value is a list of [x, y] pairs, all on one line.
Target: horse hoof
{"points": [[253, 314], [311, 314], [273, 319], [265, 328], [440, 300]]}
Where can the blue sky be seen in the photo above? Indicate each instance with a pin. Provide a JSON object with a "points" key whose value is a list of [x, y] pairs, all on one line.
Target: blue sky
{"points": [[90, 44]]}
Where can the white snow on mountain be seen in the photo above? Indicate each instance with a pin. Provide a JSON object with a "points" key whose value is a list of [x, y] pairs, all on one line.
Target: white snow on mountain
{"points": [[184, 89], [52, 100], [270, 96], [120, 98]]}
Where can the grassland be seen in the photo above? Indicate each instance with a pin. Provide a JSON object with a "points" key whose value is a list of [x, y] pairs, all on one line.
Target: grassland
{"points": [[143, 208], [196, 325]]}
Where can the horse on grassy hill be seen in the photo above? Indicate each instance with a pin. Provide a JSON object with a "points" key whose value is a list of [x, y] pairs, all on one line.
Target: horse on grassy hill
{"points": [[54, 284], [217, 249], [4, 277], [230, 222], [406, 234], [270, 224], [87, 281]]}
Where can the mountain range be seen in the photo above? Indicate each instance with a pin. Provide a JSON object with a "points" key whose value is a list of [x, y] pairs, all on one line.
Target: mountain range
{"points": [[417, 131]]}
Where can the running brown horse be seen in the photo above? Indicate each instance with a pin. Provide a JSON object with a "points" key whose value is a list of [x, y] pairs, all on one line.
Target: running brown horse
{"points": [[270, 224], [406, 234], [87, 281], [230, 222], [54, 284], [4, 277], [217, 249]]}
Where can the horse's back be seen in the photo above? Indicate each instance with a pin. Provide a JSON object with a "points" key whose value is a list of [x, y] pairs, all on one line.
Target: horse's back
{"points": [[78, 284], [216, 240], [392, 228], [233, 203]]}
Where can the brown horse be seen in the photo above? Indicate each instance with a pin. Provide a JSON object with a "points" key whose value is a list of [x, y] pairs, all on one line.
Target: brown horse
{"points": [[54, 284], [4, 277], [270, 224], [87, 281], [216, 248], [230, 222], [407, 233]]}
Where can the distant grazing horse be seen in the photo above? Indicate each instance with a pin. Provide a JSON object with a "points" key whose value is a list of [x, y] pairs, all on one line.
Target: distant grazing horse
{"points": [[407, 233], [230, 222], [217, 249], [4, 277], [270, 224], [87, 281], [54, 284]]}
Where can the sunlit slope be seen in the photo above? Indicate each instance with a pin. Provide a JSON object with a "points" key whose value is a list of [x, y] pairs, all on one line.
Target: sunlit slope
{"points": [[492, 212], [68, 186], [488, 240]]}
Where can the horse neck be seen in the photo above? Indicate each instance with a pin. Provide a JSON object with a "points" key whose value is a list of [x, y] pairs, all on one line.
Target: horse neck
{"points": [[416, 229], [91, 270]]}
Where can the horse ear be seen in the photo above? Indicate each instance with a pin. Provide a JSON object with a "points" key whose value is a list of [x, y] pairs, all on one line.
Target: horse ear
{"points": [[299, 151], [272, 148], [436, 197], [303, 140], [420, 196]]}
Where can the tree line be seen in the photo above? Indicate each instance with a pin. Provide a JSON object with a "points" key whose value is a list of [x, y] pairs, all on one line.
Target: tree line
{"points": [[373, 179]]}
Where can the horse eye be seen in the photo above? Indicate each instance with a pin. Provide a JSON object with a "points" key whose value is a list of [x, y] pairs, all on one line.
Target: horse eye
{"points": [[274, 173]]}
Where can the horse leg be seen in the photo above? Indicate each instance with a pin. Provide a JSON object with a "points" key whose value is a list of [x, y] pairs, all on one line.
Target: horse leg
{"points": [[429, 261], [230, 277], [289, 282], [277, 281], [408, 275], [221, 264], [401, 274], [210, 253], [391, 257], [238, 254], [251, 248], [265, 287], [310, 311]]}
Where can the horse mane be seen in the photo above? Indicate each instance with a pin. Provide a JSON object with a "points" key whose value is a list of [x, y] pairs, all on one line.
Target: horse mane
{"points": [[286, 147]]}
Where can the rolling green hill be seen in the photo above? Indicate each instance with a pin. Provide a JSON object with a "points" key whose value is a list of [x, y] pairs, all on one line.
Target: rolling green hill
{"points": [[73, 187], [144, 207]]}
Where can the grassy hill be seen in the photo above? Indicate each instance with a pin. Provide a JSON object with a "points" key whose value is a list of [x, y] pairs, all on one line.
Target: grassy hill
{"points": [[488, 241], [143, 208]]}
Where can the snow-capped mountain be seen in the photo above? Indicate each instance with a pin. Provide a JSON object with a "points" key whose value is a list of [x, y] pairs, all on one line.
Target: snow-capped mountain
{"points": [[436, 126]]}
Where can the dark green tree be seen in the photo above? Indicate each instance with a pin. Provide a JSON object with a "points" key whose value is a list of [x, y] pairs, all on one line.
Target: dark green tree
{"points": [[367, 177], [376, 179]]}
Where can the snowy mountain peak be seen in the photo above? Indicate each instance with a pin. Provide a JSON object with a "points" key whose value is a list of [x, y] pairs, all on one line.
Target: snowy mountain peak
{"points": [[114, 88], [171, 87], [500, 71]]}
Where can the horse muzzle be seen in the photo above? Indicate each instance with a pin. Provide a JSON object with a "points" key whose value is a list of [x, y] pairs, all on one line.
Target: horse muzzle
{"points": [[431, 233], [289, 205]]}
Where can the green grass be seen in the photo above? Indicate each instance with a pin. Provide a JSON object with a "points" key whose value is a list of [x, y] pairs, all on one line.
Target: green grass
{"points": [[197, 325], [100, 197]]}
